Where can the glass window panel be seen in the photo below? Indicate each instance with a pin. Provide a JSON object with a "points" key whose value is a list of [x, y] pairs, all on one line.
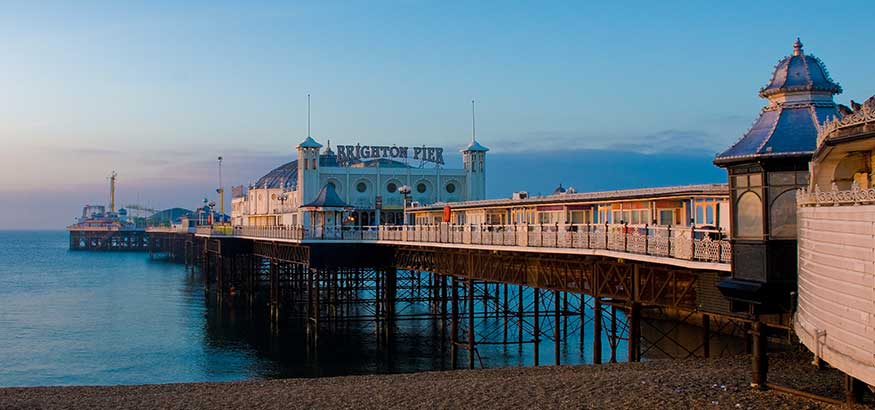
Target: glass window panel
{"points": [[782, 178], [636, 218], [782, 216], [750, 218], [700, 214], [802, 178], [709, 215], [666, 217], [756, 180]]}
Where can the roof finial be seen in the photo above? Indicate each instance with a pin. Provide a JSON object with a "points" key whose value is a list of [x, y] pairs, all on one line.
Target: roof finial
{"points": [[797, 47], [308, 115]]}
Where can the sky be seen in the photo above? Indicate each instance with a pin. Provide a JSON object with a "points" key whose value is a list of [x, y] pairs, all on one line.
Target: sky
{"points": [[588, 94]]}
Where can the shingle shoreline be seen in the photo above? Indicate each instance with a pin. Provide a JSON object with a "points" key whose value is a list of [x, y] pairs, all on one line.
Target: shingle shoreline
{"points": [[721, 383]]}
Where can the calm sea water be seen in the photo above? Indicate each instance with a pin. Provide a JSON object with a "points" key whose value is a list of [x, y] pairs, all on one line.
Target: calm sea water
{"points": [[74, 318]]}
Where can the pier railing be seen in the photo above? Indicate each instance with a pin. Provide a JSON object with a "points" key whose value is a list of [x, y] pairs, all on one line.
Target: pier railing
{"points": [[688, 243]]}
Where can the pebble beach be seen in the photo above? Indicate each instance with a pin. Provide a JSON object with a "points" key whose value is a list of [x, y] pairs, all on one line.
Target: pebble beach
{"points": [[719, 383]]}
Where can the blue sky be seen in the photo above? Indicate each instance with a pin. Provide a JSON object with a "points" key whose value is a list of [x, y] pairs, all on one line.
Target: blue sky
{"points": [[156, 90]]}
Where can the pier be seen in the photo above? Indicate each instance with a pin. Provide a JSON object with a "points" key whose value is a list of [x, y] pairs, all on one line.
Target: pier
{"points": [[533, 278]]}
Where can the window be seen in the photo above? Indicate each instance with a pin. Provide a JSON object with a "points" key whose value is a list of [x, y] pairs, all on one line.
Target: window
{"points": [[420, 188], [709, 215], [331, 184], [750, 217], [361, 187], [273, 197], [700, 215], [666, 217], [451, 187], [391, 187], [782, 216]]}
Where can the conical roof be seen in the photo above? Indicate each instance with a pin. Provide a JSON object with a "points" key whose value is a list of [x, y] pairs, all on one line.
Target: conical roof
{"points": [[475, 146], [327, 200], [309, 143]]}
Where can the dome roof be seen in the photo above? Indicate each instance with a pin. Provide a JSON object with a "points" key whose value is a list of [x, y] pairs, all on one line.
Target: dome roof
{"points": [[800, 72], [788, 128], [286, 173], [559, 190]]}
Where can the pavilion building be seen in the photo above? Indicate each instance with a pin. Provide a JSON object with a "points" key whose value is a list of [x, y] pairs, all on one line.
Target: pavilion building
{"points": [[766, 167]]}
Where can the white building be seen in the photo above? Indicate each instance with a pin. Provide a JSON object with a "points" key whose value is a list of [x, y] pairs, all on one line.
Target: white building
{"points": [[368, 178]]}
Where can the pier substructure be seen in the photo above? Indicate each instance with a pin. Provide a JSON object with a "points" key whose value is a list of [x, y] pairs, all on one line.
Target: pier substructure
{"points": [[472, 298]]}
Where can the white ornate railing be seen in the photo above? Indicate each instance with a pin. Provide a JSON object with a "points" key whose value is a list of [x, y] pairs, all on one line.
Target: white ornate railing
{"points": [[835, 197], [689, 243]]}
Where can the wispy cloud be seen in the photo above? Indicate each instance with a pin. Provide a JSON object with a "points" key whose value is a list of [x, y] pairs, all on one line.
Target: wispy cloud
{"points": [[665, 141]]}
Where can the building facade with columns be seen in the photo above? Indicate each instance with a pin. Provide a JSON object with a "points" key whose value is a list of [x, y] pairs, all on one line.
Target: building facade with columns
{"points": [[371, 179]]}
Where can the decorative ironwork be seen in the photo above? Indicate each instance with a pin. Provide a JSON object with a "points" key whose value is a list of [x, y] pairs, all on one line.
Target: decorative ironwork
{"points": [[835, 197]]}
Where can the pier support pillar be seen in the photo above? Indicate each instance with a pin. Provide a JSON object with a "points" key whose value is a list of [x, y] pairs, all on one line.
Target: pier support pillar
{"points": [[536, 332], [471, 332], [853, 390], [454, 324], [706, 335], [759, 357], [557, 348], [390, 294], [635, 332], [596, 330], [614, 338]]}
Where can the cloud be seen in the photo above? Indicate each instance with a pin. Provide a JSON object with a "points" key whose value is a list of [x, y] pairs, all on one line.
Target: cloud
{"points": [[665, 141]]}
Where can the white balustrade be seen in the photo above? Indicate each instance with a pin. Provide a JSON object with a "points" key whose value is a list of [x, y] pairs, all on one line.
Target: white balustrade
{"points": [[690, 243]]}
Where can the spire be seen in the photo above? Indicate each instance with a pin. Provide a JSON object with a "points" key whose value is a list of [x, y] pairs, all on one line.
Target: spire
{"points": [[797, 47], [473, 124], [474, 145], [308, 115]]}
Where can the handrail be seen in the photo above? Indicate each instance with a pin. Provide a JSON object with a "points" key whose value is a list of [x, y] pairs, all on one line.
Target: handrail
{"points": [[688, 243]]}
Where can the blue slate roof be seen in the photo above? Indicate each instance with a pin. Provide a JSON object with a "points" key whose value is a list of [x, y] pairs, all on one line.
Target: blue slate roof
{"points": [[787, 128], [800, 72]]}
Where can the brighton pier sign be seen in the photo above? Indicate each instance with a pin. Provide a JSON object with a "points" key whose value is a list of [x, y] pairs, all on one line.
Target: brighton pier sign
{"points": [[349, 153]]}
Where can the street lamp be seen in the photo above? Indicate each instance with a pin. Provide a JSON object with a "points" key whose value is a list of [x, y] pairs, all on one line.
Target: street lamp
{"points": [[405, 191], [282, 198], [212, 206]]}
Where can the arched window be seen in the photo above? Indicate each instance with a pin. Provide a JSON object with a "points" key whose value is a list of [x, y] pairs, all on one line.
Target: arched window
{"points": [[782, 216], [750, 216]]}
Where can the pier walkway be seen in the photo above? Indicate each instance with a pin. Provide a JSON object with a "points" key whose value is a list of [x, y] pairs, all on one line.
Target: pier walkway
{"points": [[689, 247]]}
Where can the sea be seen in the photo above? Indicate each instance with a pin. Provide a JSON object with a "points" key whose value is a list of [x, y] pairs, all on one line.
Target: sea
{"points": [[109, 318]]}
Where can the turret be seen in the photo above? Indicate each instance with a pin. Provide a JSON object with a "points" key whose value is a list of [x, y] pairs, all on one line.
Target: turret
{"points": [[474, 158], [766, 167]]}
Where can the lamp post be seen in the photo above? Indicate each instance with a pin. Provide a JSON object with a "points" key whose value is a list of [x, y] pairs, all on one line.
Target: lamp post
{"points": [[212, 217], [282, 198], [405, 191]]}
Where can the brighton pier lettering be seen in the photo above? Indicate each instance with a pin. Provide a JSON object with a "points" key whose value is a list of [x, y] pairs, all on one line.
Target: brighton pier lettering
{"points": [[349, 153]]}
